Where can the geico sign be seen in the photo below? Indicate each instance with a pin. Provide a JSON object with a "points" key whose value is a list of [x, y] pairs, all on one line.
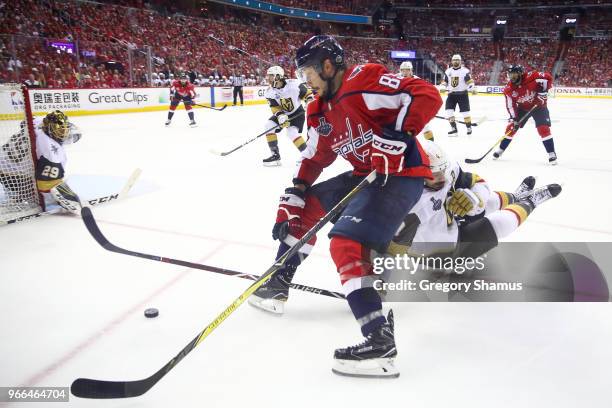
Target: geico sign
{"points": [[495, 89]]}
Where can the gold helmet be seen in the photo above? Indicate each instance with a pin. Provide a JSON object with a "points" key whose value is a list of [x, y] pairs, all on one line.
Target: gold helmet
{"points": [[56, 125]]}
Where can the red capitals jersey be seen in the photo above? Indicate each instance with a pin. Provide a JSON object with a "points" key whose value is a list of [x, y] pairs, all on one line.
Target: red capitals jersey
{"points": [[523, 95], [369, 99], [179, 89]]}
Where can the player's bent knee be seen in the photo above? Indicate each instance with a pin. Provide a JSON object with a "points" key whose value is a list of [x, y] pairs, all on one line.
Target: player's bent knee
{"points": [[544, 130], [351, 258]]}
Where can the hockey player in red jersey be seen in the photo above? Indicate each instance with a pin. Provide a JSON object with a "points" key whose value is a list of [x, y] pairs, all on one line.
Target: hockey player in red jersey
{"points": [[182, 90], [371, 118], [523, 92]]}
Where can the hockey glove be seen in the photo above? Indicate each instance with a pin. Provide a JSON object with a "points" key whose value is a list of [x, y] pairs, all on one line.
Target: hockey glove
{"points": [[388, 154], [283, 120], [289, 215], [512, 128], [464, 202], [66, 198], [541, 98]]}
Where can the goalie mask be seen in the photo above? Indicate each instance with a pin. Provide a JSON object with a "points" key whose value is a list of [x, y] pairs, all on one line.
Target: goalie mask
{"points": [[276, 76], [56, 126]]}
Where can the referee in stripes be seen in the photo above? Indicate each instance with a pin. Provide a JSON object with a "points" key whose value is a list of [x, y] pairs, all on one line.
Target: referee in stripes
{"points": [[238, 83]]}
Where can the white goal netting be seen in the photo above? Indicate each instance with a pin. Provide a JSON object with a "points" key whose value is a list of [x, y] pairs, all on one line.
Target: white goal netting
{"points": [[18, 194]]}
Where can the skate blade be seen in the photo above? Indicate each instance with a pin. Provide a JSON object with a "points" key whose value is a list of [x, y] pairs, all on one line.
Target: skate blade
{"points": [[371, 368], [272, 164], [273, 306], [193, 126]]}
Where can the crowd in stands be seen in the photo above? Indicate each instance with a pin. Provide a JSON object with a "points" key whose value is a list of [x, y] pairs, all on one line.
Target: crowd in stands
{"points": [[111, 43]]}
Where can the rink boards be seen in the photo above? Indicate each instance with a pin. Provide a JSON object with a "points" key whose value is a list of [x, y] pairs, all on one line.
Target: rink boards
{"points": [[124, 100]]}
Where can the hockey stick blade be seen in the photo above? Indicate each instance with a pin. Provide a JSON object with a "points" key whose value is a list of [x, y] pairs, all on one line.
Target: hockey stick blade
{"points": [[91, 202], [521, 120], [211, 107], [96, 233], [90, 388]]}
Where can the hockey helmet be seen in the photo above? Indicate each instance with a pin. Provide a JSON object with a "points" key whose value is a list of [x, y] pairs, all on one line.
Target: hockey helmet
{"points": [[515, 69], [438, 164], [405, 67], [312, 55], [56, 126], [456, 57], [276, 76]]}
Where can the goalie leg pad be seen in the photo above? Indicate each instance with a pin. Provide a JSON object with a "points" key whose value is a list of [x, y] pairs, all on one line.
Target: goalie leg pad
{"points": [[66, 198]]}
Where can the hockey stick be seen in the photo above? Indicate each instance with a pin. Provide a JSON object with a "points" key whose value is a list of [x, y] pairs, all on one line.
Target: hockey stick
{"points": [[95, 232], [211, 107], [252, 139], [476, 123], [521, 120], [94, 201], [89, 388]]}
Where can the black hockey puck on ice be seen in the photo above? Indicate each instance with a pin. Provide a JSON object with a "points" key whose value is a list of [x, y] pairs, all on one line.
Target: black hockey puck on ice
{"points": [[151, 313]]}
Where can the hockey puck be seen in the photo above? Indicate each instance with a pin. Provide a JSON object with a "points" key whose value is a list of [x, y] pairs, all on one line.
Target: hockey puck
{"points": [[151, 313]]}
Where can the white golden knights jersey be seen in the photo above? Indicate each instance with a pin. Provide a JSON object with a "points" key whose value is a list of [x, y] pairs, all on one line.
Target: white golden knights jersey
{"points": [[51, 157], [457, 79], [288, 98]]}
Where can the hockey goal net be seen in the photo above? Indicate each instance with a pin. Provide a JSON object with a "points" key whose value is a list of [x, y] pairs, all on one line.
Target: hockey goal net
{"points": [[18, 194]]}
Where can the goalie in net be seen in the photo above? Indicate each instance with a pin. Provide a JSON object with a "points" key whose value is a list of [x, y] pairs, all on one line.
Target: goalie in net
{"points": [[51, 134]]}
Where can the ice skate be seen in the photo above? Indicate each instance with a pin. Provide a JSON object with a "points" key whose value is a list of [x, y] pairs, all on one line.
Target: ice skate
{"points": [[193, 123], [373, 358], [542, 194], [272, 161], [525, 188], [497, 154], [552, 158], [273, 295]]}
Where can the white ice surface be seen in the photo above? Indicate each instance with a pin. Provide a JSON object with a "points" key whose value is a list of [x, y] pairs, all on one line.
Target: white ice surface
{"points": [[70, 309]]}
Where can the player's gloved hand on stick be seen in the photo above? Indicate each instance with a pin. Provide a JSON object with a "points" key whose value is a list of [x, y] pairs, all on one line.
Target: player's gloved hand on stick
{"points": [[388, 154], [541, 98], [283, 120], [289, 215], [513, 127], [464, 202]]}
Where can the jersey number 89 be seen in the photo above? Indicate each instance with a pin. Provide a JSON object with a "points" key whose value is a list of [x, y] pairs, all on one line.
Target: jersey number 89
{"points": [[388, 80]]}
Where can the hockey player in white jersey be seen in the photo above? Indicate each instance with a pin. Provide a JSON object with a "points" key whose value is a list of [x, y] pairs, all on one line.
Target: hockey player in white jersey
{"points": [[432, 226], [458, 82], [52, 133], [406, 71], [285, 98]]}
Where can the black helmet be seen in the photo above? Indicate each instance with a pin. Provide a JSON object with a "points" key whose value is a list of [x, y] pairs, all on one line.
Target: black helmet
{"points": [[316, 50], [516, 68]]}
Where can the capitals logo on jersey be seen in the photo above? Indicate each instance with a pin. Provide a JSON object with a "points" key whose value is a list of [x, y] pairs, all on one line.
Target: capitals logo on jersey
{"points": [[351, 145]]}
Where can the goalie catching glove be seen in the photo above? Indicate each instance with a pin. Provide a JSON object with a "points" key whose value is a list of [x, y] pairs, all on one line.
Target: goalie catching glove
{"points": [[289, 215], [66, 198], [388, 154], [464, 202]]}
